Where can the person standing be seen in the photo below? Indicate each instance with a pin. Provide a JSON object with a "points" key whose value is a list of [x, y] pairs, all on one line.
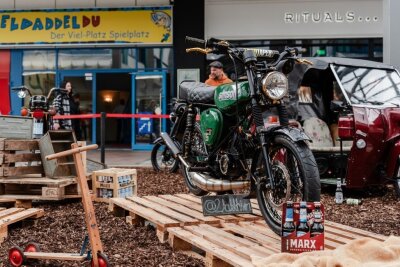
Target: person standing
{"points": [[217, 75], [65, 104]]}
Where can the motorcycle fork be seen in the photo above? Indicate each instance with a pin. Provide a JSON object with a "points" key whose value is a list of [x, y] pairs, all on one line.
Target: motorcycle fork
{"points": [[266, 159]]}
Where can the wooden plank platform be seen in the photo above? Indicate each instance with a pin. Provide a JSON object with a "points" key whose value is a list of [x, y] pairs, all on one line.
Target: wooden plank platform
{"points": [[225, 240], [13, 215], [168, 211]]}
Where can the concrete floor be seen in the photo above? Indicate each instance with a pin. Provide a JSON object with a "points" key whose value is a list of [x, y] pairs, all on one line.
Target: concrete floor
{"points": [[122, 157]]}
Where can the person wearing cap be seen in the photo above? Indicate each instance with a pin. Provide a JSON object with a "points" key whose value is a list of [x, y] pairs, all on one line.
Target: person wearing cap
{"points": [[217, 75]]}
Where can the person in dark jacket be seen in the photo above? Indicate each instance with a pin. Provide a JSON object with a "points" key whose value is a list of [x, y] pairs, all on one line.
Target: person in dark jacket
{"points": [[65, 105]]}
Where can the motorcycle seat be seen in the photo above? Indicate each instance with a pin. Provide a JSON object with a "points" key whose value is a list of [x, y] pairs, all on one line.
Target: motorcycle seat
{"points": [[321, 138], [196, 92]]}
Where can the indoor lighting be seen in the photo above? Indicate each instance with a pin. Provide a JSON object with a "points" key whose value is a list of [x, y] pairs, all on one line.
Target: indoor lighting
{"points": [[108, 99]]}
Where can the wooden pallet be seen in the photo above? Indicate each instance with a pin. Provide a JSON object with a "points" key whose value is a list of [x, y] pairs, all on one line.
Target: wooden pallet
{"points": [[26, 189], [168, 211], [229, 240], [19, 157], [13, 215]]}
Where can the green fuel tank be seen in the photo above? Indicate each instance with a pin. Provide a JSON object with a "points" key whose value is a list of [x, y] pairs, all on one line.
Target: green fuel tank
{"points": [[225, 96], [211, 123]]}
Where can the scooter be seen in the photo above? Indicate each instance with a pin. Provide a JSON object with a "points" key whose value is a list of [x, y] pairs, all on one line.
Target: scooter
{"points": [[38, 108]]}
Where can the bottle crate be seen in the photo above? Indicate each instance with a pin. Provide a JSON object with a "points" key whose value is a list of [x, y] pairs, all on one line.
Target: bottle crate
{"points": [[114, 182], [298, 240]]}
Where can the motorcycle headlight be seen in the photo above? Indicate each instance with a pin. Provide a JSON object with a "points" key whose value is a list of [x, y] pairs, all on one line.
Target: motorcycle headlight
{"points": [[275, 85]]}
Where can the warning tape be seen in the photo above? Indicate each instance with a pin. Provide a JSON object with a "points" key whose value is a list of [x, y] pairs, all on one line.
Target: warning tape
{"points": [[114, 115]]}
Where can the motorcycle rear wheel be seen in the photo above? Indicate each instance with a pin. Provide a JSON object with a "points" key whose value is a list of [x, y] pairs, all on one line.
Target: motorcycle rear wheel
{"points": [[296, 179], [197, 143], [162, 159]]}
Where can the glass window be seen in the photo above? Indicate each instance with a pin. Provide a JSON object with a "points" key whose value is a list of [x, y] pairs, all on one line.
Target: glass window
{"points": [[39, 60], [85, 59], [374, 86], [156, 58], [39, 83]]}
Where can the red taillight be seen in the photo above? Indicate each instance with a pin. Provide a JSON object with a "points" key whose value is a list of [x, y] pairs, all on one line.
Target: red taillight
{"points": [[38, 114], [346, 127], [273, 120]]}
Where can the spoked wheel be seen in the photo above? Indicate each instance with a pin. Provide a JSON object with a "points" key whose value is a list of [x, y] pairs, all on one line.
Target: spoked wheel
{"points": [[162, 158], [102, 260], [197, 154], [296, 178], [32, 247], [16, 256]]}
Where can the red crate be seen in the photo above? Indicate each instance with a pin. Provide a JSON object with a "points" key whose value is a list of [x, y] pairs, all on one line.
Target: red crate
{"points": [[294, 244]]}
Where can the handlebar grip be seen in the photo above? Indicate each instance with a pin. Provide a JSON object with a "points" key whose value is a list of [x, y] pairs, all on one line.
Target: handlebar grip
{"points": [[195, 41], [18, 88]]}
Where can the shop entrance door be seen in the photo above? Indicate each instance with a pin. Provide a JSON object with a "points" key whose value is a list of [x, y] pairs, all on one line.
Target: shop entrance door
{"points": [[148, 97], [84, 91]]}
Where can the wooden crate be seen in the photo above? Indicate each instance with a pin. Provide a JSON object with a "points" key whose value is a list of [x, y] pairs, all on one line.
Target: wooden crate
{"points": [[13, 215], [114, 183], [20, 157], [54, 142]]}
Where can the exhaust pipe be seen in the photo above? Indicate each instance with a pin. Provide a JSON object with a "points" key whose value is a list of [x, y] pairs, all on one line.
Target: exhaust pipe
{"points": [[204, 181], [208, 183]]}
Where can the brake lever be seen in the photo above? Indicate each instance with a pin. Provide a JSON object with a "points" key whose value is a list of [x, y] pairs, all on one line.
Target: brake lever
{"points": [[198, 49], [303, 61]]}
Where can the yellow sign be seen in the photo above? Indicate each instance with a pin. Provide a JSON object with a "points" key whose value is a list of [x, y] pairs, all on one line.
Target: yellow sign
{"points": [[98, 26]]}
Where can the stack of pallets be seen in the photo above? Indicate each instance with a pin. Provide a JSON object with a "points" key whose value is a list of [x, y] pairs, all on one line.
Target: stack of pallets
{"points": [[22, 175]]}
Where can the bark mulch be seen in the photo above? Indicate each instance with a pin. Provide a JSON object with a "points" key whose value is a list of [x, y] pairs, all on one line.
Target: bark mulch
{"points": [[62, 229]]}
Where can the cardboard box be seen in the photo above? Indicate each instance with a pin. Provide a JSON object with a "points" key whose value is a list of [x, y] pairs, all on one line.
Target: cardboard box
{"points": [[294, 244]]}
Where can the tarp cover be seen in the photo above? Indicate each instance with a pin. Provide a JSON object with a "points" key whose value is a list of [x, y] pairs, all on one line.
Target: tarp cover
{"points": [[363, 252]]}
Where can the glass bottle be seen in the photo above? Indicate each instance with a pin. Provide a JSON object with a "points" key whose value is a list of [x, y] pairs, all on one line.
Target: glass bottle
{"points": [[302, 227], [288, 226], [339, 192], [317, 227]]}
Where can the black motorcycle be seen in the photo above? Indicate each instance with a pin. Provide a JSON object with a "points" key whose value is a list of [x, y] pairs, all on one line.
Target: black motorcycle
{"points": [[162, 158], [230, 149]]}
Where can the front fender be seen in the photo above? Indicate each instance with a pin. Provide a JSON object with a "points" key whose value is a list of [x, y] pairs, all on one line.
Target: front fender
{"points": [[293, 133], [158, 140]]}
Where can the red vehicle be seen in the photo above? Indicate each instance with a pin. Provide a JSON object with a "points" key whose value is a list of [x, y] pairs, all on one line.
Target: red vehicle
{"points": [[352, 114]]}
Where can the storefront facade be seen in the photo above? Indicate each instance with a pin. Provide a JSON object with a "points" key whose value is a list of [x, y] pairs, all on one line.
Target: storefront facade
{"points": [[356, 28], [117, 55]]}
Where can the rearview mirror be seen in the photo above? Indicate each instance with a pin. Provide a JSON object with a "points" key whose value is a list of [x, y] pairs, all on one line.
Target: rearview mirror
{"points": [[21, 93]]}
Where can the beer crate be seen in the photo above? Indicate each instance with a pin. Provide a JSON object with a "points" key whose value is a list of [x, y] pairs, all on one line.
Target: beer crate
{"points": [[114, 182], [311, 240]]}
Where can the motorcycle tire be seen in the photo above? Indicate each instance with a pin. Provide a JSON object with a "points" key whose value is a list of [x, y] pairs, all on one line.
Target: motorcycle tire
{"points": [[296, 178], [397, 187], [162, 159], [193, 188]]}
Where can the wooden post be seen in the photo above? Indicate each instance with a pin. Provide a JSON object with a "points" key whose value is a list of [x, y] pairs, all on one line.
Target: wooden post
{"points": [[90, 216]]}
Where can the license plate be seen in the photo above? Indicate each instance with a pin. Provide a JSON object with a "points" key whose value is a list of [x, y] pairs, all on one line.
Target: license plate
{"points": [[38, 128], [225, 205]]}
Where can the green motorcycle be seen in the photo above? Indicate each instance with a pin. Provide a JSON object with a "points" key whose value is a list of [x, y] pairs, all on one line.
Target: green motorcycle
{"points": [[230, 150]]}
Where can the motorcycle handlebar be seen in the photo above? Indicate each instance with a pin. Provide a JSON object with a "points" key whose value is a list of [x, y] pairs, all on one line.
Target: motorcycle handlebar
{"points": [[55, 89], [195, 41]]}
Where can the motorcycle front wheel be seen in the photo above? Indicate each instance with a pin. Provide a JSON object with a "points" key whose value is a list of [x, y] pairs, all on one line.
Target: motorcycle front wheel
{"points": [[162, 159], [296, 178]]}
